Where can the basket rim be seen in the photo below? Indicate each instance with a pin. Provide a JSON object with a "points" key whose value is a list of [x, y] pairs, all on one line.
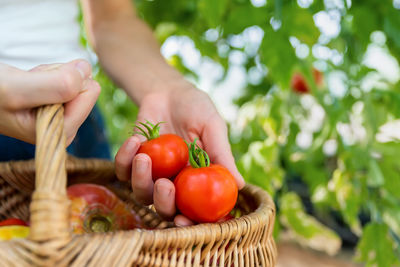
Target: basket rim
{"points": [[265, 211], [265, 206]]}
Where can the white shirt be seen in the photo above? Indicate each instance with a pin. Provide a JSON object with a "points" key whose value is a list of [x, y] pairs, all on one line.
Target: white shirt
{"points": [[34, 32]]}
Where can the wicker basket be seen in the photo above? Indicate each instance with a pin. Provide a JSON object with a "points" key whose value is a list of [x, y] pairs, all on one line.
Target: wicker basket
{"points": [[245, 241]]}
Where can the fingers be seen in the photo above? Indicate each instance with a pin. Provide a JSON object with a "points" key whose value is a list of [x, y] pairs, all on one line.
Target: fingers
{"points": [[43, 67], [142, 182], [215, 141], [181, 220], [137, 168], [164, 198], [124, 158], [77, 110], [48, 84]]}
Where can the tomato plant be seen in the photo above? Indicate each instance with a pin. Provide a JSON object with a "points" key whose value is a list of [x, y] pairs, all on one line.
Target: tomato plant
{"points": [[94, 208], [168, 152], [204, 192]]}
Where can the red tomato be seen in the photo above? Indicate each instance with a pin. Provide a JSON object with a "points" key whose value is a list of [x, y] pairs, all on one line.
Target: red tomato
{"points": [[205, 194], [168, 152], [94, 208], [299, 84], [13, 221]]}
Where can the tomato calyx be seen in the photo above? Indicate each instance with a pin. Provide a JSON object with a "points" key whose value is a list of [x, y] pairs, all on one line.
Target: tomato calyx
{"points": [[99, 224], [148, 129], [198, 158], [96, 209]]}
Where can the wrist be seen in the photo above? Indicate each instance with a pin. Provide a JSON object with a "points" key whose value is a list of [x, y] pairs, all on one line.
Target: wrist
{"points": [[167, 87]]}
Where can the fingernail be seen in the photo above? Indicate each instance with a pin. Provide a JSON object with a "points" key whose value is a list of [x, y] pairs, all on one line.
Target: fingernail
{"points": [[84, 85], [178, 224], [141, 165], [84, 68]]}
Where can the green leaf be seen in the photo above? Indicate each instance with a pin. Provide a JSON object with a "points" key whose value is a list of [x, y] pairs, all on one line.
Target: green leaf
{"points": [[182, 12], [375, 176], [391, 216], [299, 22], [260, 165], [278, 55], [313, 175], [390, 149], [306, 229], [348, 196], [212, 11], [165, 30], [391, 26], [241, 17], [376, 247], [390, 167], [365, 21]]}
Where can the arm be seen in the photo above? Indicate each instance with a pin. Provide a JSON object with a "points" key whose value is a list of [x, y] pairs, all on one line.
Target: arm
{"points": [[127, 48], [130, 55]]}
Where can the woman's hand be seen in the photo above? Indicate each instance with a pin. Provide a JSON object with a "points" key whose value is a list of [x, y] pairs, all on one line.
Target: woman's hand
{"points": [[21, 92], [190, 114]]}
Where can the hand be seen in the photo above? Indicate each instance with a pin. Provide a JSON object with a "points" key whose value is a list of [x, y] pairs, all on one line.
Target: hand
{"points": [[23, 91], [190, 114]]}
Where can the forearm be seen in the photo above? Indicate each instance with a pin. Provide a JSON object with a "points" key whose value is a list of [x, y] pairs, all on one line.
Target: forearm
{"points": [[131, 56]]}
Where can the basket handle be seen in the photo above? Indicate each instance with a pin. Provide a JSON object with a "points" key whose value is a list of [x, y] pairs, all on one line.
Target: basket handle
{"points": [[49, 207]]}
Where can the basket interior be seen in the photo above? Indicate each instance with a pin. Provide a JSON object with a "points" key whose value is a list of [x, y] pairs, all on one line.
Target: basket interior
{"points": [[17, 184]]}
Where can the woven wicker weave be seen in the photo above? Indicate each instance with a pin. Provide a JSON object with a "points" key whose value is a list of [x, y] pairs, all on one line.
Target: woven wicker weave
{"points": [[245, 241]]}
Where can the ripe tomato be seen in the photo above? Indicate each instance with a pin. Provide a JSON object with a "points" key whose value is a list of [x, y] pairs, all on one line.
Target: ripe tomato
{"points": [[13, 221], [94, 208], [204, 192], [168, 152], [299, 84]]}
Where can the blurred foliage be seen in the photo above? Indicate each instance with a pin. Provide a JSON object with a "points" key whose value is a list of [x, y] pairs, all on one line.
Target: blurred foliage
{"points": [[318, 153], [118, 110]]}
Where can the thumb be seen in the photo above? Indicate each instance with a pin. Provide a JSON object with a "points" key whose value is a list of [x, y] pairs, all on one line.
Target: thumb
{"points": [[48, 84], [215, 141]]}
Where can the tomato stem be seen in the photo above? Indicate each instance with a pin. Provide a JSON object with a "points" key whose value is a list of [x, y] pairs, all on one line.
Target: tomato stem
{"points": [[198, 158], [100, 224], [148, 130]]}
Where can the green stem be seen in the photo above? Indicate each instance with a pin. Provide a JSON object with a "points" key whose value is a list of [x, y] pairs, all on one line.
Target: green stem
{"points": [[148, 130], [98, 224], [198, 158]]}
